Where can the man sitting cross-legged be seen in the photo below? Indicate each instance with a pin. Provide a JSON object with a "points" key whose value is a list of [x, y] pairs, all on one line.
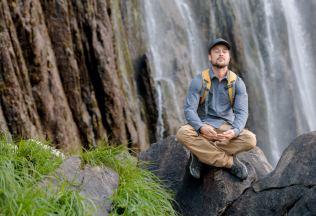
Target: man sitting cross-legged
{"points": [[216, 109]]}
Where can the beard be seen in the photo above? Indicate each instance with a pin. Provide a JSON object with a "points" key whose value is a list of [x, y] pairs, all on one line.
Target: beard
{"points": [[219, 65]]}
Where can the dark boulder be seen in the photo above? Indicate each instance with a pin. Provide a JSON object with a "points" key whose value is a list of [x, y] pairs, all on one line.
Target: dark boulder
{"points": [[289, 189], [215, 190]]}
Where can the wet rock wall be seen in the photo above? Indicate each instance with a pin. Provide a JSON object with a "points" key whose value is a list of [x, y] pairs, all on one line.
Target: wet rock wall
{"points": [[66, 74]]}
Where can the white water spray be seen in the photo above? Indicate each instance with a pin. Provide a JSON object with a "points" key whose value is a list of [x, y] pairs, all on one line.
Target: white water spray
{"points": [[301, 61], [199, 58], [155, 33]]}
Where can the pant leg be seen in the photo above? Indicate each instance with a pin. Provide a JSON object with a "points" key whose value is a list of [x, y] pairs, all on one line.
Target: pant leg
{"points": [[205, 150], [245, 141]]}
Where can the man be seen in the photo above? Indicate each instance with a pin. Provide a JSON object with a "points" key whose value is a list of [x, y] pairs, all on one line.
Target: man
{"points": [[215, 133]]}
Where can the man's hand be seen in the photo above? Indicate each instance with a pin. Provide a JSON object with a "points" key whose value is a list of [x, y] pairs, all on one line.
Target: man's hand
{"points": [[228, 135], [209, 133]]}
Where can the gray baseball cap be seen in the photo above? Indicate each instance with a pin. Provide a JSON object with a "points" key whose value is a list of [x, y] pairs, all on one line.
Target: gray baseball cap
{"points": [[219, 41]]}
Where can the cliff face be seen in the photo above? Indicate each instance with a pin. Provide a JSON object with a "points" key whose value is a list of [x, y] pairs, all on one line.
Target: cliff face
{"points": [[77, 71], [65, 74]]}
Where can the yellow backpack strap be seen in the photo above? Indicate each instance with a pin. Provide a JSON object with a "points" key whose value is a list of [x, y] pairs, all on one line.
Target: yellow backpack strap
{"points": [[231, 86], [206, 85], [205, 89]]}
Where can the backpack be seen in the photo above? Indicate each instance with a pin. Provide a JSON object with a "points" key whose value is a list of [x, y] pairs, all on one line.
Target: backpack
{"points": [[207, 86]]}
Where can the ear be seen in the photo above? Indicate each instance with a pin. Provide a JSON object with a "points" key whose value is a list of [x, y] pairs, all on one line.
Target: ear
{"points": [[210, 58]]}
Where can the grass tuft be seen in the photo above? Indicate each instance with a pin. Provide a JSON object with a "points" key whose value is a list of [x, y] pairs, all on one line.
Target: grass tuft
{"points": [[140, 192], [26, 163], [22, 166]]}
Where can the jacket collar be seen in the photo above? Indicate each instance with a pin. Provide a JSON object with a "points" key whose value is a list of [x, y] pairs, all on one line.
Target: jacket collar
{"points": [[212, 75]]}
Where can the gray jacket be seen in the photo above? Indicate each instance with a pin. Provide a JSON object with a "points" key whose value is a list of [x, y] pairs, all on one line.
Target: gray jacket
{"points": [[219, 106]]}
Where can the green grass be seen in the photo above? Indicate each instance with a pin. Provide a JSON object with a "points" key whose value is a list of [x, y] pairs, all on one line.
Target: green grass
{"points": [[140, 192], [23, 166], [20, 171]]}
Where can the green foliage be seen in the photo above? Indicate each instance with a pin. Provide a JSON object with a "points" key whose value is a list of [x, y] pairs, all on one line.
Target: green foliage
{"points": [[140, 192], [24, 164]]}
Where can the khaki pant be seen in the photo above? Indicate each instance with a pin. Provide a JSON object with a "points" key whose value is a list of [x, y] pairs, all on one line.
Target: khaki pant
{"points": [[213, 152]]}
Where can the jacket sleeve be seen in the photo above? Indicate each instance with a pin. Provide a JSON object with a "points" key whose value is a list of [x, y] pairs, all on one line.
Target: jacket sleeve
{"points": [[241, 107], [192, 101]]}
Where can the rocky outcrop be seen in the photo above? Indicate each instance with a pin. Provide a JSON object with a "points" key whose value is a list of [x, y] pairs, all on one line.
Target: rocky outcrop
{"points": [[95, 183], [289, 190], [66, 74], [214, 191]]}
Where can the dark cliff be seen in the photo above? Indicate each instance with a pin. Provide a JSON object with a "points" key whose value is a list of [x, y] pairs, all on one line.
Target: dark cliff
{"points": [[66, 74]]}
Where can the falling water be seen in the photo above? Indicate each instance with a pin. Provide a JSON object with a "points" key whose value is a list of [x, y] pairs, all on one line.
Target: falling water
{"points": [[152, 32], [271, 108], [160, 123], [198, 57], [213, 23], [263, 70], [162, 71], [302, 62], [285, 84]]}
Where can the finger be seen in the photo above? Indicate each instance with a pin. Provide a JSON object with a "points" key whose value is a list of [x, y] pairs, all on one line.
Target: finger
{"points": [[222, 135], [213, 137], [213, 132], [208, 136]]}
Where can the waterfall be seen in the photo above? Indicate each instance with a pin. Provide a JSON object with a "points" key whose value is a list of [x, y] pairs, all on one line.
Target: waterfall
{"points": [[155, 61], [266, 58], [273, 132], [156, 53], [282, 84], [198, 57], [304, 73], [164, 73], [160, 123], [213, 22], [258, 60]]}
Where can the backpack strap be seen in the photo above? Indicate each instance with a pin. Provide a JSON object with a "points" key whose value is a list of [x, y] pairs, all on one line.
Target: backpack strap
{"points": [[231, 86], [206, 85], [205, 89]]}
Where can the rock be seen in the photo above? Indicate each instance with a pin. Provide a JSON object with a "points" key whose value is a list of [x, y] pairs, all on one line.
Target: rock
{"points": [[169, 160], [17, 102], [289, 189], [215, 190], [95, 183], [63, 75]]}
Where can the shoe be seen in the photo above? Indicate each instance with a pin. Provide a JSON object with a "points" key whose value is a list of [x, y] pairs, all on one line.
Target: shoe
{"points": [[195, 166], [239, 169]]}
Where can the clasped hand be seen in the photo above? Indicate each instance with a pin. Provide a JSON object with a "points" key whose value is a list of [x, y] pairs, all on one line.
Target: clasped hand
{"points": [[209, 133]]}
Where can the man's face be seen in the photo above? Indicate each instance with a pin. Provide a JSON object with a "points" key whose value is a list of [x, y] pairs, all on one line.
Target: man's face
{"points": [[219, 56]]}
